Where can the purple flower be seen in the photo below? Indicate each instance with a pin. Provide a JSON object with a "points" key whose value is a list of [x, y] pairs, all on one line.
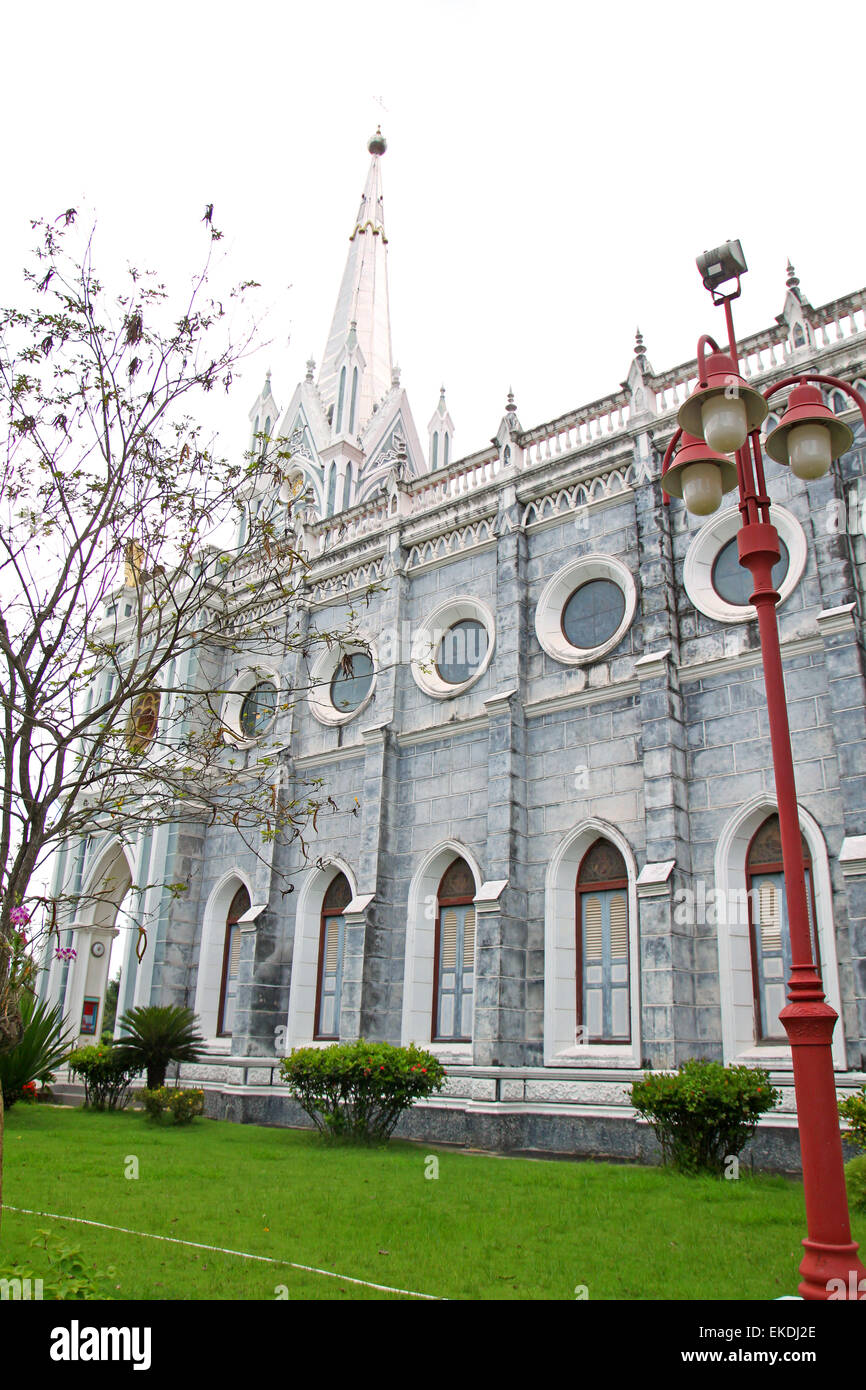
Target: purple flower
{"points": [[65, 953], [19, 916]]}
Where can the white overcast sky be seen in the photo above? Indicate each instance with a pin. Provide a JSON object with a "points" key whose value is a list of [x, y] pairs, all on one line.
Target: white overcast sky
{"points": [[553, 170]]}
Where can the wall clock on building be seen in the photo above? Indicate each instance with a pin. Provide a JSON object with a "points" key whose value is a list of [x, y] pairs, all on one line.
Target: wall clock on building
{"points": [[98, 949]]}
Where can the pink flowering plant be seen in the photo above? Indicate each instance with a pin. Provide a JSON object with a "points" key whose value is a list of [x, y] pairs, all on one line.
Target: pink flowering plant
{"points": [[357, 1091]]}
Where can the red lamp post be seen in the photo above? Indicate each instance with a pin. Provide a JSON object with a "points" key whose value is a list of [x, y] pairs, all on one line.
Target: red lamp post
{"points": [[723, 416]]}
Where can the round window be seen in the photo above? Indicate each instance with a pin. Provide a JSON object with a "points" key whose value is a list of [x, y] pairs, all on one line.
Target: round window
{"points": [[593, 613], [351, 682], [461, 651], [733, 583], [258, 709]]}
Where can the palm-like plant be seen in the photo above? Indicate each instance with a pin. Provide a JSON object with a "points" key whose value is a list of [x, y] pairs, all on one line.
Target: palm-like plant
{"points": [[43, 1045], [154, 1035]]}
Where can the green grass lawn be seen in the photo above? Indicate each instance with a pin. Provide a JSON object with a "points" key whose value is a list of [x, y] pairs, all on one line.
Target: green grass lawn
{"points": [[487, 1228]]}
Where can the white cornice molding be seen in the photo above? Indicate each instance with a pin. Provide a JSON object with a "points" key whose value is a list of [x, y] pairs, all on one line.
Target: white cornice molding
{"points": [[431, 733], [652, 881], [841, 619], [596, 694], [796, 646], [333, 755], [852, 856], [486, 900], [652, 664]]}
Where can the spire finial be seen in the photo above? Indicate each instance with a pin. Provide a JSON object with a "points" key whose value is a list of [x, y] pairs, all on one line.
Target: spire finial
{"points": [[510, 407], [639, 348], [793, 279], [377, 144], [311, 367]]}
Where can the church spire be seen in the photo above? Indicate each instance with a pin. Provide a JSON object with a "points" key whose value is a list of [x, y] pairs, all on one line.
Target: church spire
{"points": [[360, 337]]}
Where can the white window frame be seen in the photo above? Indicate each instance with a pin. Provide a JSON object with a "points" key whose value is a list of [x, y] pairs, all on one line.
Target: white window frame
{"points": [[557, 592], [712, 537]]}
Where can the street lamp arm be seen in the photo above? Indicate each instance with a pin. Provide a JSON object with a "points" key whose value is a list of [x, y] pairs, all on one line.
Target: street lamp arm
{"points": [[832, 381], [704, 342]]}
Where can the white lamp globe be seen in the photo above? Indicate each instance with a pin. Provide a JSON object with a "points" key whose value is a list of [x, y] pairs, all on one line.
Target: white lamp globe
{"points": [[809, 451], [725, 423], [702, 488]]}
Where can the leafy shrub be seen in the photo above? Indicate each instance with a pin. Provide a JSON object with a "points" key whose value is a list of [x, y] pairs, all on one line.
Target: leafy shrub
{"points": [[154, 1035], [855, 1181], [154, 1100], [853, 1109], [44, 1044], [703, 1113], [359, 1090], [183, 1105], [63, 1271], [106, 1075]]}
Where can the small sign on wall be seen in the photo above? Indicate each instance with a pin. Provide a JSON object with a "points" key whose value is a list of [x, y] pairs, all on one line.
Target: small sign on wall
{"points": [[89, 1015]]}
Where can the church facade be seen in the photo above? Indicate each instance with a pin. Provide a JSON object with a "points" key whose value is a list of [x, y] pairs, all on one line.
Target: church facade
{"points": [[554, 857]]}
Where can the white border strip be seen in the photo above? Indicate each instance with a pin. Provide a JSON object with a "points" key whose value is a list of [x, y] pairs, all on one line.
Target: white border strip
{"points": [[220, 1250]]}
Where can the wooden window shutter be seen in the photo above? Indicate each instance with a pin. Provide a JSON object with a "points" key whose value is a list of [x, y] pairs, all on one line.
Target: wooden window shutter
{"points": [[332, 942], [235, 956], [592, 929], [449, 938], [770, 914], [469, 939], [618, 926]]}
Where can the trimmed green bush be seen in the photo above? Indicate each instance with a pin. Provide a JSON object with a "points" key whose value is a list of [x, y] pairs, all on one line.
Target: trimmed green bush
{"points": [[703, 1113], [106, 1075], [855, 1182], [43, 1046], [853, 1109], [155, 1035], [182, 1105], [358, 1091]]}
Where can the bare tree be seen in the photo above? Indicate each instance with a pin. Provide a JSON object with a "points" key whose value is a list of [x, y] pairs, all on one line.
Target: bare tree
{"points": [[132, 556]]}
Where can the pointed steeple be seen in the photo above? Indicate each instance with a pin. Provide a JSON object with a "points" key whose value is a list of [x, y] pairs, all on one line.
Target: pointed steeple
{"points": [[360, 336], [441, 432]]}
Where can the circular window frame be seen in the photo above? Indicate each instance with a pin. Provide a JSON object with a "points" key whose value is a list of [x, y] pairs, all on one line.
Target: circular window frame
{"points": [[322, 673], [712, 537], [230, 714], [429, 635], [559, 589]]}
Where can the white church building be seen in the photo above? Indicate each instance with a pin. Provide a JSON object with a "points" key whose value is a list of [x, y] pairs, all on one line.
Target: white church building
{"points": [[550, 758]]}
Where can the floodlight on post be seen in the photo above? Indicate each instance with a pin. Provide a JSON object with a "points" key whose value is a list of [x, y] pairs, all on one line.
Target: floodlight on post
{"points": [[721, 265]]}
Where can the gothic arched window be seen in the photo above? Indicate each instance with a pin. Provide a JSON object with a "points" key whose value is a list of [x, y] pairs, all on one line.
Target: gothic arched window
{"points": [[332, 490], [347, 488], [340, 399], [447, 448], [354, 400], [454, 953], [332, 940], [435, 459], [768, 926], [603, 1005], [240, 904]]}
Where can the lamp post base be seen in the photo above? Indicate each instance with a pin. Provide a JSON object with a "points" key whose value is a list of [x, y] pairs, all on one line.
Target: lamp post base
{"points": [[832, 1272], [830, 1267]]}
